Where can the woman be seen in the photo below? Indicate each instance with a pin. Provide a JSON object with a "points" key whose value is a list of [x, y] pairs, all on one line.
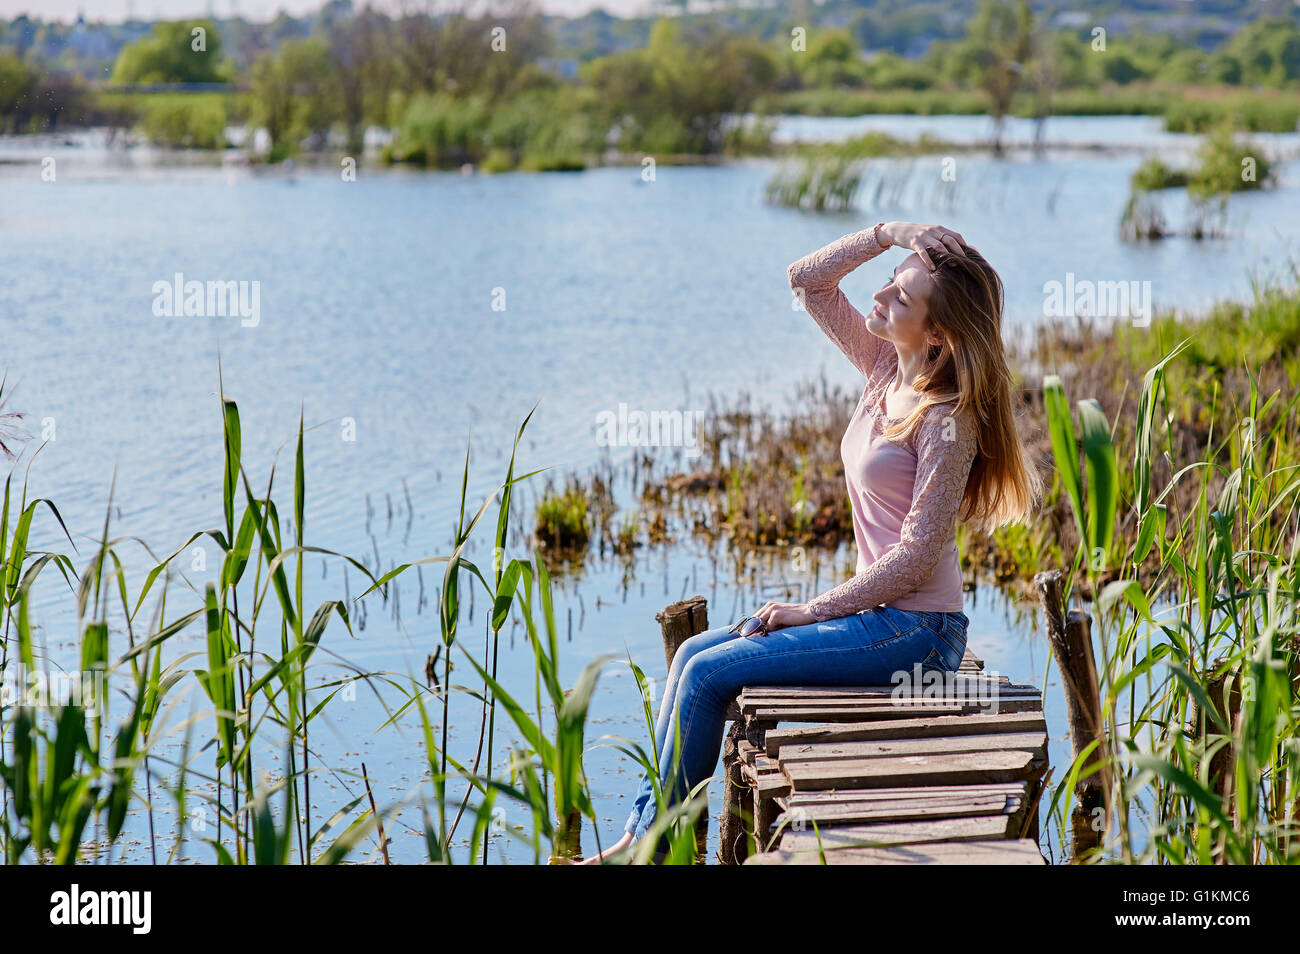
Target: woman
{"points": [[932, 440]]}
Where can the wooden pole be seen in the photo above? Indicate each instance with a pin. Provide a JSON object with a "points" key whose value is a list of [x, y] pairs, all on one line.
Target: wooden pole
{"points": [[737, 800], [680, 621], [1070, 635]]}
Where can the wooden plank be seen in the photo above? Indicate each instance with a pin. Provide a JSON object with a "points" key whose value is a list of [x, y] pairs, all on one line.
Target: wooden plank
{"points": [[771, 786], [866, 806], [951, 725], [827, 814], [761, 769], [985, 691], [747, 751], [857, 712], [1015, 851], [886, 772], [928, 791], [974, 828], [829, 751], [967, 690], [752, 693], [969, 661]]}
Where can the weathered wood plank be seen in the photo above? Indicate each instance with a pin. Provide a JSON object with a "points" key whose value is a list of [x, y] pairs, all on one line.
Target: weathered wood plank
{"points": [[826, 814], [802, 712], [829, 751], [962, 690], [974, 828], [960, 679], [951, 725], [1020, 851], [928, 791], [886, 772], [772, 786], [856, 712], [985, 691]]}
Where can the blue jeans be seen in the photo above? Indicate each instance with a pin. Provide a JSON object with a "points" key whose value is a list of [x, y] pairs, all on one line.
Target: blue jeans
{"points": [[710, 668]]}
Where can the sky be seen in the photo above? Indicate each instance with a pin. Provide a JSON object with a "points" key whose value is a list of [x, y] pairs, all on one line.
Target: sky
{"points": [[117, 10]]}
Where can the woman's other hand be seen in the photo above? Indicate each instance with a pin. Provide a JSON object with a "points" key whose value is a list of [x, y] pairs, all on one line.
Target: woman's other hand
{"points": [[780, 615], [921, 238]]}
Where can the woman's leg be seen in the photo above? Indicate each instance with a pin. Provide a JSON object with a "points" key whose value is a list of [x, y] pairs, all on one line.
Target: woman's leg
{"points": [[864, 649], [663, 723]]}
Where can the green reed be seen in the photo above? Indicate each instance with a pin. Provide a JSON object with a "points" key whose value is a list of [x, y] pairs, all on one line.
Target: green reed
{"points": [[70, 773], [1203, 655]]}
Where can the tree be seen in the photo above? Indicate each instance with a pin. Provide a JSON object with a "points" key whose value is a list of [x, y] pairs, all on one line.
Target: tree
{"points": [[1267, 51], [672, 95], [463, 54], [362, 69], [995, 50], [294, 93], [182, 51]]}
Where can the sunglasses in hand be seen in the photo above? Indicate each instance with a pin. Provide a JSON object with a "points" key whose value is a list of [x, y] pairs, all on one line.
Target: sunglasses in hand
{"points": [[749, 626]]}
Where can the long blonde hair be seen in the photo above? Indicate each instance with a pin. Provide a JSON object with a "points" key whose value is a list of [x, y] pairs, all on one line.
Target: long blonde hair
{"points": [[970, 368]]}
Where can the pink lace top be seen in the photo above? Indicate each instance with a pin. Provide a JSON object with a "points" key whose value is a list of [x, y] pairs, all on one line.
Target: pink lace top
{"points": [[905, 496]]}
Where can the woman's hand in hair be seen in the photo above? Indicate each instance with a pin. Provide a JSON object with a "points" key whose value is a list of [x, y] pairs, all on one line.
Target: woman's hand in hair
{"points": [[922, 238]]}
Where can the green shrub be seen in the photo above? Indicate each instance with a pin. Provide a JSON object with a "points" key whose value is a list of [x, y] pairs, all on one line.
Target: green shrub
{"points": [[442, 130], [562, 518], [191, 121], [551, 162], [539, 130], [1154, 174], [1226, 164], [1254, 113]]}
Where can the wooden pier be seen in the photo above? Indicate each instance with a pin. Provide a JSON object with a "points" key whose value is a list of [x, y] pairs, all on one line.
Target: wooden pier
{"points": [[946, 770]]}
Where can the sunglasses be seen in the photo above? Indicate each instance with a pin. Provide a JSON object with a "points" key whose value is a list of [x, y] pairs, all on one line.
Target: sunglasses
{"points": [[749, 626]]}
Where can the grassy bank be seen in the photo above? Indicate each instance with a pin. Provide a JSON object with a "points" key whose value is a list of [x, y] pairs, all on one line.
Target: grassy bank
{"points": [[1184, 109], [569, 127]]}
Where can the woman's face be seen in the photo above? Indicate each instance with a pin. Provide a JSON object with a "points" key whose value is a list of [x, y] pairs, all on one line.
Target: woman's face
{"points": [[900, 314]]}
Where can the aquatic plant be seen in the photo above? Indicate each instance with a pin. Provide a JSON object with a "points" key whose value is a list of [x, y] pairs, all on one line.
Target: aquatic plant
{"points": [[1199, 669]]}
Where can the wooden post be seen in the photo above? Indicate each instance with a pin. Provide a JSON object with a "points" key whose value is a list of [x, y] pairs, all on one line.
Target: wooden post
{"points": [[1070, 635], [680, 621], [766, 811], [737, 803]]}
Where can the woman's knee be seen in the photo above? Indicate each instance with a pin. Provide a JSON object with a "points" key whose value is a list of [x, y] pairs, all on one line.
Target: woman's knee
{"points": [[693, 646], [706, 677]]}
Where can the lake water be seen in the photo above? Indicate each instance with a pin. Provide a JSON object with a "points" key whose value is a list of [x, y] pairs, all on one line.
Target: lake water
{"points": [[405, 312]]}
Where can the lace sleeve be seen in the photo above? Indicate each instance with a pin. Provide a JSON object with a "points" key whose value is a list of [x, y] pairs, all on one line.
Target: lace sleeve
{"points": [[816, 277], [946, 446]]}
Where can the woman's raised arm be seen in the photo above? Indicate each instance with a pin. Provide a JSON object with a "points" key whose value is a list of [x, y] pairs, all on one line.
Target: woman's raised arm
{"points": [[816, 279]]}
